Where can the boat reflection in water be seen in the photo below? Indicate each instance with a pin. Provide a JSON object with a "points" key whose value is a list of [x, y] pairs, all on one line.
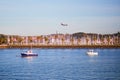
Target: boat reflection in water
{"points": [[29, 58]]}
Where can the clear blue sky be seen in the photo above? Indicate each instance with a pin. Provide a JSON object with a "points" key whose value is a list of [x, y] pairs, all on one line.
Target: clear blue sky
{"points": [[41, 17]]}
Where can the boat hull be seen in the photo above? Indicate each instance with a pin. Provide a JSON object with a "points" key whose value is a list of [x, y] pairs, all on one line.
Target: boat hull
{"points": [[25, 55], [92, 53]]}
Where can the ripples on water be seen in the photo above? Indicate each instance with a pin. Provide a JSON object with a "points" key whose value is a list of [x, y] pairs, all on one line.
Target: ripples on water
{"points": [[60, 64]]}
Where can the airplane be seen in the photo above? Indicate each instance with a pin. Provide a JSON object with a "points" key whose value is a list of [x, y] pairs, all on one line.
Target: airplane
{"points": [[64, 24]]}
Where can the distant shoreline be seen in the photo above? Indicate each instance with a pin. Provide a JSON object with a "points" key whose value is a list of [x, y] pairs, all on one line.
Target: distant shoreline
{"points": [[58, 46]]}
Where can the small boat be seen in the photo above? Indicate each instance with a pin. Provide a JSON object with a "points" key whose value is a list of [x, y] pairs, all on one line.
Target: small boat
{"points": [[28, 53], [92, 53]]}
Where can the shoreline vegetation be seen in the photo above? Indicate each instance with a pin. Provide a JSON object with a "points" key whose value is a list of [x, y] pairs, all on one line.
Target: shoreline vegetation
{"points": [[58, 46], [59, 40]]}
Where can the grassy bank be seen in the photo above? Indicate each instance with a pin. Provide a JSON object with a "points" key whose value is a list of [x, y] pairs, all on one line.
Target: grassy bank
{"points": [[60, 46]]}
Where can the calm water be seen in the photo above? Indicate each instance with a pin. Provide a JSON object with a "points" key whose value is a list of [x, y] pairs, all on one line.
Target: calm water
{"points": [[60, 64]]}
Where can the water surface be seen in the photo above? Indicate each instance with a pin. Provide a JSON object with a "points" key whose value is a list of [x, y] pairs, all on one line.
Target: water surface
{"points": [[60, 64]]}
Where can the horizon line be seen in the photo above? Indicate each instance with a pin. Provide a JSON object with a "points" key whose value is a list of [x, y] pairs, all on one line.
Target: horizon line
{"points": [[61, 33]]}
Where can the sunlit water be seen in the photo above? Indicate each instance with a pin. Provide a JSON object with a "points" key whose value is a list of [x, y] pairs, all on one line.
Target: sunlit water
{"points": [[60, 64]]}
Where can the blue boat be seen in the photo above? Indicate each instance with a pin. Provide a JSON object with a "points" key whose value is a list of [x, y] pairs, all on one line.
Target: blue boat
{"points": [[28, 53]]}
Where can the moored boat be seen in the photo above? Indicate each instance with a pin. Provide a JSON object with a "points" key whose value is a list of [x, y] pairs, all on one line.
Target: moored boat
{"points": [[28, 53], [92, 53]]}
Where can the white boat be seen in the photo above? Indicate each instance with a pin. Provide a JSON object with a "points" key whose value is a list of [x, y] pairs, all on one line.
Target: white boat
{"points": [[92, 53], [28, 53]]}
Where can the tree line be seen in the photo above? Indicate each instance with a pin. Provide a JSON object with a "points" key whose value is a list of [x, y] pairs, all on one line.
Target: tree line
{"points": [[79, 38]]}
